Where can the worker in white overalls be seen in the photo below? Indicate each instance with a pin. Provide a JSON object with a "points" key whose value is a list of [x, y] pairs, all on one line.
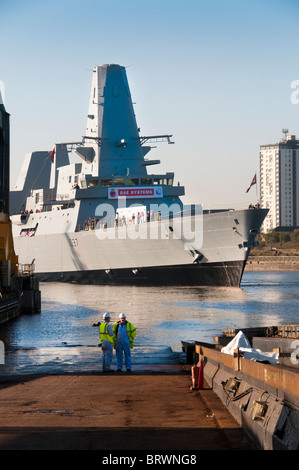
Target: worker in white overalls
{"points": [[124, 334], [106, 338]]}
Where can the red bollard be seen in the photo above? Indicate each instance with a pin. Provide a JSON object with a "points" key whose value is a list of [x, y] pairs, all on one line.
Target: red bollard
{"points": [[197, 376], [201, 375]]}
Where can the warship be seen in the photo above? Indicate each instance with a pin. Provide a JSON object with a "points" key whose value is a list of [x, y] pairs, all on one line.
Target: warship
{"points": [[104, 218]]}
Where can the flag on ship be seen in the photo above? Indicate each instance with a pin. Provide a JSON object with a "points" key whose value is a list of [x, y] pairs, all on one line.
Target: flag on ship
{"points": [[252, 183], [52, 154]]}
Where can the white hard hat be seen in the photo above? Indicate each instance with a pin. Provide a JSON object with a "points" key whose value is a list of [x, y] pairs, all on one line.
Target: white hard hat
{"points": [[106, 315], [122, 315]]}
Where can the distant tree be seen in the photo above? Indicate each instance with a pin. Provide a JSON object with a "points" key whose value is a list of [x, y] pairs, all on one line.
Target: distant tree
{"points": [[284, 237], [272, 237], [295, 235]]}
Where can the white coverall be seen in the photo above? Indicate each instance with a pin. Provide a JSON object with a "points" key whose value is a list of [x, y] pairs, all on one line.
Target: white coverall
{"points": [[123, 346]]}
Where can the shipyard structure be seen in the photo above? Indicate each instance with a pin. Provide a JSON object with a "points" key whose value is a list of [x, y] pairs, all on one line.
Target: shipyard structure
{"points": [[19, 290], [104, 218]]}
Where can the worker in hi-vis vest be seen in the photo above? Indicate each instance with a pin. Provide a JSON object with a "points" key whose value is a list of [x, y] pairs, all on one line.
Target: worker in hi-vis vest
{"points": [[124, 334], [106, 338]]}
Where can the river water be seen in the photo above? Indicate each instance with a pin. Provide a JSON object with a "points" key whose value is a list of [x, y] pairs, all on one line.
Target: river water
{"points": [[63, 337]]}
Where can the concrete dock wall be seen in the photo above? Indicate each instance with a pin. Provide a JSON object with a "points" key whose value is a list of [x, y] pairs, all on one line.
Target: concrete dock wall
{"points": [[27, 299], [9, 308]]}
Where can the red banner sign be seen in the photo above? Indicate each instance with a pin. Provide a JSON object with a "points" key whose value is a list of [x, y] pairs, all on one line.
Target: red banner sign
{"points": [[135, 192]]}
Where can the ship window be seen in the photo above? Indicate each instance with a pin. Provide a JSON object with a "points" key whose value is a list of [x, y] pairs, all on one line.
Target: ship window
{"points": [[92, 183], [158, 181], [28, 232], [106, 183], [145, 181], [133, 182], [119, 182]]}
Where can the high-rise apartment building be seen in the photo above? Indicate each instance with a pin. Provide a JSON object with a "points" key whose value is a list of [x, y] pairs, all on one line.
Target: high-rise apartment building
{"points": [[279, 182]]}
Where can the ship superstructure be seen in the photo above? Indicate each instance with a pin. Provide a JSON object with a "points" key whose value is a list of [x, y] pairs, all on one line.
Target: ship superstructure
{"points": [[107, 219]]}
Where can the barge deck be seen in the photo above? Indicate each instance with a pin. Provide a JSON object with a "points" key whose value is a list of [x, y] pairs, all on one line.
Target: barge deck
{"points": [[262, 397]]}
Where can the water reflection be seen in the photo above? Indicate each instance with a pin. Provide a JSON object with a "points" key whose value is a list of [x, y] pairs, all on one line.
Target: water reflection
{"points": [[63, 338]]}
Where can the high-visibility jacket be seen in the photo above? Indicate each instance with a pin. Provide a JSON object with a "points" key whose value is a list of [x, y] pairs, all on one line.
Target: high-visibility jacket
{"points": [[104, 334], [131, 332]]}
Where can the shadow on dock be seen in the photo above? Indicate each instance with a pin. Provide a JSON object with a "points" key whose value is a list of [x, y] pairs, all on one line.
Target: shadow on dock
{"points": [[150, 409]]}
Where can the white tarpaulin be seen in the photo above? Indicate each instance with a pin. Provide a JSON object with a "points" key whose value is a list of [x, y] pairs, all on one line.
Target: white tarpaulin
{"points": [[240, 341]]}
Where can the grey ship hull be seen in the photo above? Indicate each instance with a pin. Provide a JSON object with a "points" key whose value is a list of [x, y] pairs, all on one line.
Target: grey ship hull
{"points": [[218, 259], [205, 274]]}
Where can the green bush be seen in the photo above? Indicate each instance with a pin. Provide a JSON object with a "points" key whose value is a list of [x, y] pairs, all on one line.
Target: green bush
{"points": [[295, 236]]}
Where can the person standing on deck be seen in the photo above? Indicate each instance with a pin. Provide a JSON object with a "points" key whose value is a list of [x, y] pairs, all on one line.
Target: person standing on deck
{"points": [[106, 338], [124, 334]]}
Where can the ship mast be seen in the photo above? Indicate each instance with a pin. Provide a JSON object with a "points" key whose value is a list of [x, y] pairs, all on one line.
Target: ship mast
{"points": [[112, 145]]}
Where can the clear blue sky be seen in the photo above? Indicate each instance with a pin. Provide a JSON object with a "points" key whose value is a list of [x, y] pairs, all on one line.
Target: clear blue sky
{"points": [[215, 74]]}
